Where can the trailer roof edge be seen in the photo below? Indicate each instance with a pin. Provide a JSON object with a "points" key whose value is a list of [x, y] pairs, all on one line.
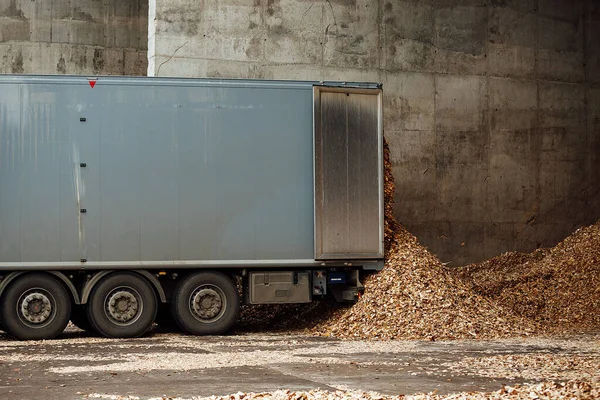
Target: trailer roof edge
{"points": [[180, 81]]}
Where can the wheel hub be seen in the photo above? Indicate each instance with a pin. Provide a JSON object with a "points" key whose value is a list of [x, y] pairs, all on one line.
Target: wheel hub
{"points": [[122, 306], [207, 303], [36, 308]]}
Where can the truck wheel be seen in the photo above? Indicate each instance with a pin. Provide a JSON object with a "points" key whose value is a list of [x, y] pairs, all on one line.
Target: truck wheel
{"points": [[206, 303], [122, 305], [35, 306], [79, 318]]}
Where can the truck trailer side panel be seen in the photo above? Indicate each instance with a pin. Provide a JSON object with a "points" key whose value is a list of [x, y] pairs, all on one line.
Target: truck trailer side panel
{"points": [[132, 172]]}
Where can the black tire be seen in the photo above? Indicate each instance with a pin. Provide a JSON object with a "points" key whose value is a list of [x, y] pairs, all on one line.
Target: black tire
{"points": [[35, 306], [122, 305], [79, 318], [206, 303]]}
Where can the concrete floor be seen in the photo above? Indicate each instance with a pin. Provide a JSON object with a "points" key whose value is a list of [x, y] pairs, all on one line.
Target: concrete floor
{"points": [[79, 366]]}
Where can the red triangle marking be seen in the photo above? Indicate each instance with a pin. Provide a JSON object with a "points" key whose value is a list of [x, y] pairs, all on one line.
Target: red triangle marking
{"points": [[92, 83]]}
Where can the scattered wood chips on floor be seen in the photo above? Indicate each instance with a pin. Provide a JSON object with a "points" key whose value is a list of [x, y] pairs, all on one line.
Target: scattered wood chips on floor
{"points": [[574, 389]]}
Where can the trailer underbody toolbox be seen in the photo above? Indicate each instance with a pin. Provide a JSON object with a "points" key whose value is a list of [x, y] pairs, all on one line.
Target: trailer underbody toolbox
{"points": [[131, 199]]}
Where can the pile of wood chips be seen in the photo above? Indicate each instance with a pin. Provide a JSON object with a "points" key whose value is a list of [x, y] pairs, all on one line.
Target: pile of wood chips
{"points": [[415, 297], [559, 288]]}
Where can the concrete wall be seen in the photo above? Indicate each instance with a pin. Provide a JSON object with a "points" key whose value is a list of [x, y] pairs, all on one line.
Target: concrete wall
{"points": [[74, 37], [492, 107]]}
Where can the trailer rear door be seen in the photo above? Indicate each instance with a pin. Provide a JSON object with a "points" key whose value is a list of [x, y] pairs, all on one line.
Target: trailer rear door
{"points": [[348, 139]]}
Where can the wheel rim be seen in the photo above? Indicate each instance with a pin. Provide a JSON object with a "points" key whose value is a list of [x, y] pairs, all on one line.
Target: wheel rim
{"points": [[35, 308], [207, 303], [123, 306]]}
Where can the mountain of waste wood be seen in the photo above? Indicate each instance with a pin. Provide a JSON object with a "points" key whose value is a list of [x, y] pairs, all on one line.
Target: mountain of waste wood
{"points": [[416, 297]]}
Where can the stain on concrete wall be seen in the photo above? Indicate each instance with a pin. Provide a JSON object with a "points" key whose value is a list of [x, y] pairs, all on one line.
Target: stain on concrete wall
{"points": [[74, 37], [492, 107]]}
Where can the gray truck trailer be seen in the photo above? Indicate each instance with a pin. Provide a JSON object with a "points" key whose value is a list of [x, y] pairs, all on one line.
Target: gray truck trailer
{"points": [[124, 198]]}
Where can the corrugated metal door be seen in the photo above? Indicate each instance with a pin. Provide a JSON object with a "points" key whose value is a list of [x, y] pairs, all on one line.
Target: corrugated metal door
{"points": [[348, 174]]}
